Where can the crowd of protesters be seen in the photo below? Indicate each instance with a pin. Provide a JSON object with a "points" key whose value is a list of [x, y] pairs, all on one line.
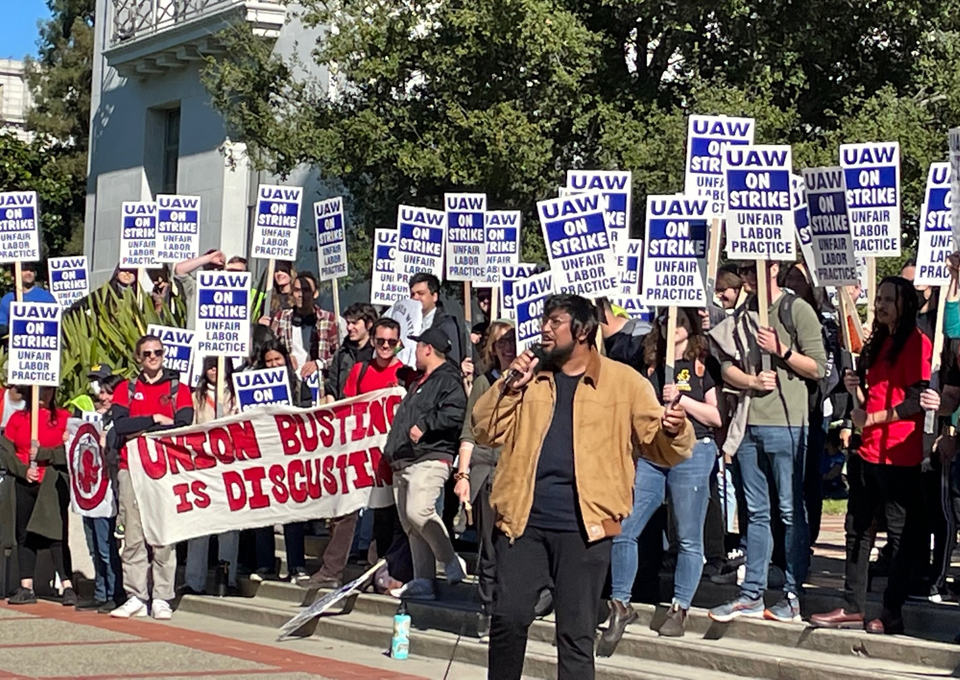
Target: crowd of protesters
{"points": [[562, 459]]}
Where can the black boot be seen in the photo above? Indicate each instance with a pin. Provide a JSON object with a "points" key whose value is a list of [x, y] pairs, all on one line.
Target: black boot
{"points": [[674, 625], [621, 616]]}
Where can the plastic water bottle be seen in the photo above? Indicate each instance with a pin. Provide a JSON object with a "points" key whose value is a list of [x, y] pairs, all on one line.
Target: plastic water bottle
{"points": [[400, 645]]}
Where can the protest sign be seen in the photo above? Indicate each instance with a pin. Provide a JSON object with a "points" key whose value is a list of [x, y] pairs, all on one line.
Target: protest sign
{"points": [[466, 248], [386, 286], [68, 279], [801, 222], [277, 227], [872, 174], [616, 188], [935, 240], [833, 260], [759, 212], [313, 382], [706, 138], [409, 314], [223, 314], [271, 465], [178, 228], [19, 227], [953, 142], [138, 235], [675, 260], [503, 242], [91, 493], [34, 344], [578, 245], [634, 307], [177, 348], [509, 276], [630, 265], [262, 387], [420, 243], [529, 296], [331, 238]]}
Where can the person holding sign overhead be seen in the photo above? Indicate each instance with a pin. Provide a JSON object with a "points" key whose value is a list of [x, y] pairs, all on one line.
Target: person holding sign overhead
{"points": [[154, 400], [31, 293]]}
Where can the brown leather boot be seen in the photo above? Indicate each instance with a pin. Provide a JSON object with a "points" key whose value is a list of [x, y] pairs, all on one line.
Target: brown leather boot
{"points": [[674, 625], [621, 616], [838, 618]]}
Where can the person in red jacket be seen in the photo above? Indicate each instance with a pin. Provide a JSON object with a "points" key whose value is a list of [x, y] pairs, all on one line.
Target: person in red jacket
{"points": [[154, 401], [42, 500]]}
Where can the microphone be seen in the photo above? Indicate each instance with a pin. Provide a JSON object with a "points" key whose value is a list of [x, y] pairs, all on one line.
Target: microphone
{"points": [[512, 376]]}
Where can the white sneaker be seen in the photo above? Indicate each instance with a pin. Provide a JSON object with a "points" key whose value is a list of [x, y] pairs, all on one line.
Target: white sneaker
{"points": [[132, 608], [455, 571], [161, 610], [417, 589]]}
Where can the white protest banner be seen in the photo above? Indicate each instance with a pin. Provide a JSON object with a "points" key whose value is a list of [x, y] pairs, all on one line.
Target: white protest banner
{"points": [[675, 261], [616, 188], [138, 234], [706, 138], [832, 240], [223, 314], [386, 287], [801, 222], [503, 242], [263, 387], [272, 465], [466, 247], [935, 240], [19, 226], [529, 296], [509, 276], [34, 344], [759, 211], [630, 265], [277, 228], [91, 493], [68, 279], [578, 245], [409, 314], [634, 307], [331, 238], [872, 173], [178, 228], [177, 348], [953, 142], [420, 243]]}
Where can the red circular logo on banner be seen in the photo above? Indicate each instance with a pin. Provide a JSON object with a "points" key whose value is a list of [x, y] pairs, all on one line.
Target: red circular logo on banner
{"points": [[89, 478]]}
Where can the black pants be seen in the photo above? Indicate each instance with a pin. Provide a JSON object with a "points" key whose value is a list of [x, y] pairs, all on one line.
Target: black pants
{"points": [[812, 476], [485, 519], [893, 492], [939, 521], [578, 570], [29, 543]]}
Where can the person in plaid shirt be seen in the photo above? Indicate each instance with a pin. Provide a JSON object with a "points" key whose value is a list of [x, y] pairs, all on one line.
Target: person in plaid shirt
{"points": [[308, 332]]}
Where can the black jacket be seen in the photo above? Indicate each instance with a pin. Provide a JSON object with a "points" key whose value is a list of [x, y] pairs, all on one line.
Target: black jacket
{"points": [[438, 407], [345, 358]]}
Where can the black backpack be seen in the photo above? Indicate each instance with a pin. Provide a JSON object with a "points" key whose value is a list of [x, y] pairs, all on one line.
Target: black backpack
{"points": [[174, 390], [819, 390]]}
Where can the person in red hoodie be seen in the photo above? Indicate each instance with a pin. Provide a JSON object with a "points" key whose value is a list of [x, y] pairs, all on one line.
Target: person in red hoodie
{"points": [[154, 400], [42, 492]]}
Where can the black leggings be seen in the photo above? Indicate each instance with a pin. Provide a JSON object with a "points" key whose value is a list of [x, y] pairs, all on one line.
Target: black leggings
{"points": [[29, 543]]}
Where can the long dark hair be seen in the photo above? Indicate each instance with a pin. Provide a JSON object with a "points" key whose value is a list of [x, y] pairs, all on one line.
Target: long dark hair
{"points": [[277, 346], [907, 307], [50, 404], [655, 344], [204, 387]]}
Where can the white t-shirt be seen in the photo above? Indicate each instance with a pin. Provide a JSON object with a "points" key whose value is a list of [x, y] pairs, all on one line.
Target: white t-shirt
{"points": [[9, 406]]}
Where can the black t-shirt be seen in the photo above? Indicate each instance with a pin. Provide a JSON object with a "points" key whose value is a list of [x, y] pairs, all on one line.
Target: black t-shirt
{"points": [[555, 505], [691, 384]]}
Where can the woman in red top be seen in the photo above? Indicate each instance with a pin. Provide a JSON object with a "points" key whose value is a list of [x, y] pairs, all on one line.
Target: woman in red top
{"points": [[42, 492], [885, 475]]}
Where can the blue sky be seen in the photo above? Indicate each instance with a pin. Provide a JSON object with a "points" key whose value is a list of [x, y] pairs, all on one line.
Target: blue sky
{"points": [[18, 30]]}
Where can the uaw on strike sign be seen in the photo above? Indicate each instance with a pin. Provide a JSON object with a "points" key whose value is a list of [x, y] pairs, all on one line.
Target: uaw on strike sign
{"points": [[273, 465]]}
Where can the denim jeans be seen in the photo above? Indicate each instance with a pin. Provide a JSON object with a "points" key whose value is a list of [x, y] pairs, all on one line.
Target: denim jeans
{"points": [[195, 572], [773, 457], [105, 555], [689, 484]]}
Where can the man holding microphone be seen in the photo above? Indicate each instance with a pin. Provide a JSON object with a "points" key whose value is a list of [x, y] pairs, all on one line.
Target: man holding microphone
{"points": [[569, 426]]}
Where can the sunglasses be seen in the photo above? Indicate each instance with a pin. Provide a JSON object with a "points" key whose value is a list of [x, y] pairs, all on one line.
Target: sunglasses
{"points": [[392, 342], [151, 353]]}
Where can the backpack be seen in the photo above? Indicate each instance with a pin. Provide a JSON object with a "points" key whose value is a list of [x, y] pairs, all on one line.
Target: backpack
{"points": [[822, 389], [174, 390]]}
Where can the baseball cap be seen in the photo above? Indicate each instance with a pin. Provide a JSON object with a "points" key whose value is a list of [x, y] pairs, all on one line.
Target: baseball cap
{"points": [[100, 371], [434, 337]]}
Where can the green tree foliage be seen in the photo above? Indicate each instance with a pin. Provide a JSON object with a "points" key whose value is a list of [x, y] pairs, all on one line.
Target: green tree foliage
{"points": [[503, 96]]}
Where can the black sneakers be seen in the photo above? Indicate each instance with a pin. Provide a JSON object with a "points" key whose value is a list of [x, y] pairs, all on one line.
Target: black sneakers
{"points": [[23, 596]]}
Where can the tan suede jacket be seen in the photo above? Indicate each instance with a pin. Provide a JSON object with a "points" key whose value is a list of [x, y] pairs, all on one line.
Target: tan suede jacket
{"points": [[615, 413]]}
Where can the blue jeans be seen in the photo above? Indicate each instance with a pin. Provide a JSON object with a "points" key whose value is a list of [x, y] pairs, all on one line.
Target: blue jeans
{"points": [[773, 457], [689, 484], [105, 555]]}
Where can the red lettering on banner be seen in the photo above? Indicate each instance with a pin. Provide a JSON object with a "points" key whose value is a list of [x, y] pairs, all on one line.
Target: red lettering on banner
{"points": [[298, 489], [358, 461], [381, 467], [309, 440], [245, 445], [258, 499], [329, 478], [178, 454], [325, 423], [342, 466], [342, 413], [154, 467], [235, 489], [313, 478], [220, 445], [181, 491], [287, 426], [199, 489], [195, 440], [378, 421], [359, 429], [278, 476], [393, 403]]}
